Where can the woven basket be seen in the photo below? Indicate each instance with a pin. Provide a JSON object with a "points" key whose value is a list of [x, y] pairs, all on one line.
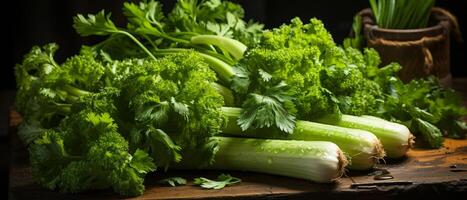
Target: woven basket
{"points": [[421, 52]]}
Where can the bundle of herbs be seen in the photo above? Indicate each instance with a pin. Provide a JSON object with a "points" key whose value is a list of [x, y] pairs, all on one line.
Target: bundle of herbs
{"points": [[154, 95]]}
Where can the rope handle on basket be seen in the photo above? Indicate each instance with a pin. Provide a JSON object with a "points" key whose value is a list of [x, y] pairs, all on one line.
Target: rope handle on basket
{"points": [[454, 25], [428, 68]]}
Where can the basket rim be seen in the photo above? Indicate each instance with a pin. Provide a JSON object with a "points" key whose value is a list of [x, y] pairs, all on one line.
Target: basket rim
{"points": [[434, 28]]}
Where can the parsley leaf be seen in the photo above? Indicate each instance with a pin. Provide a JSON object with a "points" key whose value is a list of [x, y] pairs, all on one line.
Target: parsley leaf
{"points": [[173, 181], [222, 181], [99, 24]]}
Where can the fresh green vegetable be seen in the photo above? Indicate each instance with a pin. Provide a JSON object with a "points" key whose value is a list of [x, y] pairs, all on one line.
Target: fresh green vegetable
{"points": [[276, 93], [46, 90], [213, 17], [402, 14], [396, 138], [427, 108], [360, 87], [229, 98], [172, 105], [430, 133], [87, 152], [185, 27], [100, 24], [222, 181], [355, 40], [139, 110], [234, 47], [156, 113], [362, 147], [173, 181], [298, 72], [309, 160], [424, 106], [148, 97]]}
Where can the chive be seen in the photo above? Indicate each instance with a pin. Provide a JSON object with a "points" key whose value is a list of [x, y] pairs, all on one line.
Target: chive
{"points": [[401, 14]]}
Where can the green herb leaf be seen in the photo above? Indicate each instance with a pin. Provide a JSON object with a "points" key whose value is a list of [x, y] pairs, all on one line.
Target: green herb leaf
{"points": [[222, 181], [99, 24], [173, 181], [269, 109], [430, 133]]}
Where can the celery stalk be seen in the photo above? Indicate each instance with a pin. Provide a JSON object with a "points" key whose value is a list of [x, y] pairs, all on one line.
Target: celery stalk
{"points": [[363, 148], [396, 138], [316, 161], [234, 47]]}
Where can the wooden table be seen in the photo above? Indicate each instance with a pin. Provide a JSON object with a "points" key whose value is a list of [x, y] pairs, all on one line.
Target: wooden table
{"points": [[423, 174]]}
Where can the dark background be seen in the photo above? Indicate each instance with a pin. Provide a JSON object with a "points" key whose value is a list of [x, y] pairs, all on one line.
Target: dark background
{"points": [[36, 22]]}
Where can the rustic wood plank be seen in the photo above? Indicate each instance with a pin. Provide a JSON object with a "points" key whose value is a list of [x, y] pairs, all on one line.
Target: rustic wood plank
{"points": [[424, 172]]}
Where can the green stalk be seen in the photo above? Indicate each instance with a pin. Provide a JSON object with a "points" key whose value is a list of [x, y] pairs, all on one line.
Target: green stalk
{"points": [[183, 33], [363, 147], [398, 16], [138, 43], [216, 55], [383, 13], [157, 32], [401, 14], [234, 47], [390, 13], [71, 98], [175, 39], [63, 108], [153, 45], [224, 70], [396, 138], [405, 16], [374, 8], [426, 14], [316, 161], [227, 94], [75, 91]]}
